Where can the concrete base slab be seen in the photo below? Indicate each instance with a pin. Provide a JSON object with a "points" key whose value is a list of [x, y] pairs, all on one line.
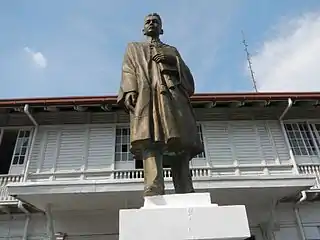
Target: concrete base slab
{"points": [[183, 217]]}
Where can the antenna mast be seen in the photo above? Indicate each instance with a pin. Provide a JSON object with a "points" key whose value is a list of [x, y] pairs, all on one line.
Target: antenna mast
{"points": [[249, 62]]}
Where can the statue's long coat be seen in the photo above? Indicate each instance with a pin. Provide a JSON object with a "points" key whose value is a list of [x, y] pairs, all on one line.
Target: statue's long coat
{"points": [[162, 118]]}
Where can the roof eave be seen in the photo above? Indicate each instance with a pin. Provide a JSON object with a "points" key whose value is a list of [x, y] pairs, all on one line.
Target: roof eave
{"points": [[199, 97]]}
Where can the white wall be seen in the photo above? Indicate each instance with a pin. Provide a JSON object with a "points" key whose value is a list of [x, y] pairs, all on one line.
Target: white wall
{"points": [[285, 219], [100, 224], [310, 217], [12, 227], [94, 225]]}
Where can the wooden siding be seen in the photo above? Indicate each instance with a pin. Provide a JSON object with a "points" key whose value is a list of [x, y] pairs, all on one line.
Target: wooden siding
{"points": [[84, 147], [74, 147], [245, 142]]}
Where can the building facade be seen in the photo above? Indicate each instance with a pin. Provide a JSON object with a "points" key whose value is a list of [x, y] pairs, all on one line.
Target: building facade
{"points": [[65, 167]]}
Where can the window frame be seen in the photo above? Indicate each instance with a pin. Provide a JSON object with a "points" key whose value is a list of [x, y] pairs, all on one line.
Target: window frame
{"points": [[21, 158], [124, 141], [303, 137]]}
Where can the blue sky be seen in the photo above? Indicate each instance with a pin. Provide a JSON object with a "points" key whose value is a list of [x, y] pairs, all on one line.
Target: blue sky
{"points": [[75, 47]]}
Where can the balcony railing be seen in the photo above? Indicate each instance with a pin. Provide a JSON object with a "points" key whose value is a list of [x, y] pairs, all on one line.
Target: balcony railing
{"points": [[4, 180], [137, 174], [311, 169]]}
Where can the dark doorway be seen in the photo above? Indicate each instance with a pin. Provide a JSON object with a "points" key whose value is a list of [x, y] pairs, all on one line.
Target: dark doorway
{"points": [[7, 144], [139, 164]]}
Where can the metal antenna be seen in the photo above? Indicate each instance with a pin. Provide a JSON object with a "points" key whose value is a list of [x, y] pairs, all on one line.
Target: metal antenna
{"points": [[249, 62]]}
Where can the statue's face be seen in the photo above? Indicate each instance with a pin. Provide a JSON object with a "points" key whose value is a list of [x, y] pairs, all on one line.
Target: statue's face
{"points": [[152, 26]]}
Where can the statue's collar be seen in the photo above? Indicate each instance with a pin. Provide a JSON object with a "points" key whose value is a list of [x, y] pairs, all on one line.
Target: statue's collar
{"points": [[154, 41]]}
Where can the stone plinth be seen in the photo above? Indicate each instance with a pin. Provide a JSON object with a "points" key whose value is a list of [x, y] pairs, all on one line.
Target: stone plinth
{"points": [[182, 217]]}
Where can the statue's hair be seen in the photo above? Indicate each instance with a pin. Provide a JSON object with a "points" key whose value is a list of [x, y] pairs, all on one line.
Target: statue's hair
{"points": [[156, 15]]}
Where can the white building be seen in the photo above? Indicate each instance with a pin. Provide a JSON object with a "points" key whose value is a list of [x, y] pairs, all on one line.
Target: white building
{"points": [[66, 170]]}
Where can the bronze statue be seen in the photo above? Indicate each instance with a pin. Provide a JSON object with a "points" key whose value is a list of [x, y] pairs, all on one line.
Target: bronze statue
{"points": [[155, 89]]}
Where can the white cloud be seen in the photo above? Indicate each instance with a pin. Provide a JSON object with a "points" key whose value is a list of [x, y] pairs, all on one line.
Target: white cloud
{"points": [[37, 57], [290, 60]]}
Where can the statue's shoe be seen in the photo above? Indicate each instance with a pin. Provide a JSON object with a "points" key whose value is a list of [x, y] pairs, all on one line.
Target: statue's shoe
{"points": [[153, 191]]}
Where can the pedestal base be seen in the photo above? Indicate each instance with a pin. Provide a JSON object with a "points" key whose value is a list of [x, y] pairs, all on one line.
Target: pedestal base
{"points": [[183, 217]]}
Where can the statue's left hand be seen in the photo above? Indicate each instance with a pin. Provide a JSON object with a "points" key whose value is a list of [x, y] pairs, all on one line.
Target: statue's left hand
{"points": [[161, 57]]}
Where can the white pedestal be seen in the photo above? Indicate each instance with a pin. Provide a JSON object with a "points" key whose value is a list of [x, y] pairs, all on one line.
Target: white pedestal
{"points": [[183, 217]]}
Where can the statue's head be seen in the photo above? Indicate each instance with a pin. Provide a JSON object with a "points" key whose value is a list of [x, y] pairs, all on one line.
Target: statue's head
{"points": [[152, 25]]}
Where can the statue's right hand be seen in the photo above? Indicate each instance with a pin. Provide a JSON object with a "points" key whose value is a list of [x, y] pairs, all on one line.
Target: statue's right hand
{"points": [[130, 101]]}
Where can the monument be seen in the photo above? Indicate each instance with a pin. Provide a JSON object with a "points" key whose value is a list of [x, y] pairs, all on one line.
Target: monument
{"points": [[155, 90]]}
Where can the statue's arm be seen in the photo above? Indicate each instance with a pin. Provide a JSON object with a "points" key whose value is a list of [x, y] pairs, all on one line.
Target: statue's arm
{"points": [[128, 78], [187, 80]]}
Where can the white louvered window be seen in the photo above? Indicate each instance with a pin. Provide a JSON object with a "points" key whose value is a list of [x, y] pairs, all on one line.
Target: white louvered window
{"points": [[301, 139], [203, 154], [122, 152]]}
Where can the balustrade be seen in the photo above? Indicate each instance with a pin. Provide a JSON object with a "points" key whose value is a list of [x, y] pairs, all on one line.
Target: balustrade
{"points": [[4, 180], [311, 169], [138, 173]]}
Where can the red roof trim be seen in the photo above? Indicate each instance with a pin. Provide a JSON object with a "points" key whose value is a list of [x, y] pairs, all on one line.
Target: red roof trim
{"points": [[196, 98]]}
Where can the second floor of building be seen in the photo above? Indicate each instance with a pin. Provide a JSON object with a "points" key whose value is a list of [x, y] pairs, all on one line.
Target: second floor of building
{"points": [[240, 138], [104, 147]]}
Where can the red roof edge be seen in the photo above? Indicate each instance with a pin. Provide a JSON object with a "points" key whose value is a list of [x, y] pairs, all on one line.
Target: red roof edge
{"points": [[197, 98]]}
